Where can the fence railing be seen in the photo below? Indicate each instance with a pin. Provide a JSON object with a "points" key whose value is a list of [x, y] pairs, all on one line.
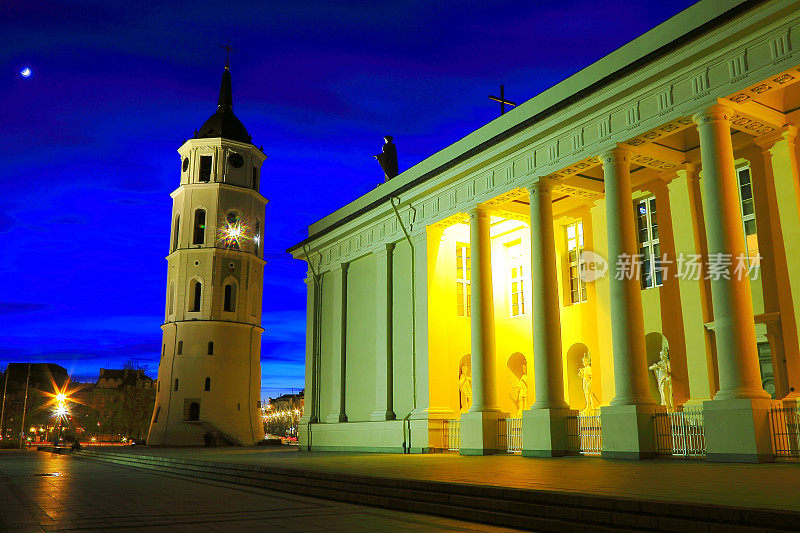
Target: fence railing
{"points": [[680, 433], [784, 420], [509, 435], [584, 434], [451, 434]]}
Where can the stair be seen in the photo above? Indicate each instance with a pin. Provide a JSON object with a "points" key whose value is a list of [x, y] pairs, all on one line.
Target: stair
{"points": [[497, 506]]}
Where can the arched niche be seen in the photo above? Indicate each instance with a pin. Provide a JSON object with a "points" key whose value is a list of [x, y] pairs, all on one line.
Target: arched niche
{"points": [[575, 395], [654, 342]]}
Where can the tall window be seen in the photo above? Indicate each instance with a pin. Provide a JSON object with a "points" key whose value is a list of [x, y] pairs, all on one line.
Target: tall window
{"points": [[176, 232], [649, 247], [255, 178], [197, 295], [180, 347], [463, 287], [577, 287], [210, 348], [199, 226], [748, 215], [205, 168], [176, 383], [230, 298], [171, 303], [208, 384], [516, 269]]}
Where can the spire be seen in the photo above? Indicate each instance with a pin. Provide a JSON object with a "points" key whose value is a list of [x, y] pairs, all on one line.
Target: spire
{"points": [[223, 123], [225, 102]]}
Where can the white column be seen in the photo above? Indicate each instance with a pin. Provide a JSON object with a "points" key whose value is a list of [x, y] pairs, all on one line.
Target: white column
{"points": [[479, 425], [544, 425], [628, 431], [736, 420], [547, 356], [627, 319], [735, 333], [484, 396], [384, 297]]}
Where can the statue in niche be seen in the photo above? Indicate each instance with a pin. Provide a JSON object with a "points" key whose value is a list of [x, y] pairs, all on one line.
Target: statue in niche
{"points": [[518, 380], [465, 386], [585, 374], [663, 373], [388, 158]]}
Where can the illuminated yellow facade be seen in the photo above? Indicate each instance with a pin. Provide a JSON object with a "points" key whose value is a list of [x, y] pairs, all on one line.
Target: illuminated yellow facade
{"points": [[455, 291]]}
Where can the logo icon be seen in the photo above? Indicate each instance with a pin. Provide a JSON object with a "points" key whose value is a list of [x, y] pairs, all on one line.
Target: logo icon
{"points": [[593, 266]]}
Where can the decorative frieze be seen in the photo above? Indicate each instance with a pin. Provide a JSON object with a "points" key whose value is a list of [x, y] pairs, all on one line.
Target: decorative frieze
{"points": [[558, 155]]}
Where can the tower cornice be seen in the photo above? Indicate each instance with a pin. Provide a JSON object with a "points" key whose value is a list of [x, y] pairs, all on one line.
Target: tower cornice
{"points": [[220, 185]]}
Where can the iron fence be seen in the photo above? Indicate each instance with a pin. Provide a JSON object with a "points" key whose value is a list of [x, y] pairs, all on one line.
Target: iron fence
{"points": [[783, 421], [584, 434], [680, 433], [451, 429], [509, 435]]}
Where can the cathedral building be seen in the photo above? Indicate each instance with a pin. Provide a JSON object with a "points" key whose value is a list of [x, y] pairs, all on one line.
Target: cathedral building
{"points": [[610, 268], [209, 376]]}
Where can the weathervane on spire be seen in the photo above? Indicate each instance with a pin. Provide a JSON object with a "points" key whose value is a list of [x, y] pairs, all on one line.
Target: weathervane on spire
{"points": [[228, 52]]}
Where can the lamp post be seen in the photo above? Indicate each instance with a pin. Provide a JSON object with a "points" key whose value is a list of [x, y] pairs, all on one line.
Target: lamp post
{"points": [[24, 407]]}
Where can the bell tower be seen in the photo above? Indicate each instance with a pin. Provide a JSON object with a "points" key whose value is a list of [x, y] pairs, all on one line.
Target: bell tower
{"points": [[209, 375]]}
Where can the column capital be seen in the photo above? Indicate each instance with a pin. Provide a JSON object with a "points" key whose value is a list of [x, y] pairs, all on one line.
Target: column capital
{"points": [[383, 249], [714, 113], [478, 212], [615, 155], [540, 184], [339, 268]]}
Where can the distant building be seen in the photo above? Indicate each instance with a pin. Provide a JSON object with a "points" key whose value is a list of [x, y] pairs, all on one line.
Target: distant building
{"points": [[282, 414], [121, 403]]}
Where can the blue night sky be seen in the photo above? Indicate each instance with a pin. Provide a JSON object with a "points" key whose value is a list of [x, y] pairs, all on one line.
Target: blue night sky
{"points": [[89, 156]]}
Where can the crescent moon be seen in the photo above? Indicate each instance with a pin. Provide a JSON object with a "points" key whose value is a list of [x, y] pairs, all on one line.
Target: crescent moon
{"points": [[26, 72]]}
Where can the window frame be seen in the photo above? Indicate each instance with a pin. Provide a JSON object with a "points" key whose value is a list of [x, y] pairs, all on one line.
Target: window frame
{"points": [[577, 263], [463, 280], [201, 171], [747, 217], [516, 275], [654, 277]]}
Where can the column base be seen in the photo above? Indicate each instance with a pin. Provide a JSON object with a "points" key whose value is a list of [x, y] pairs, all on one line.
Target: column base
{"points": [[377, 416], [335, 418], [628, 431], [544, 432], [737, 431], [479, 432]]}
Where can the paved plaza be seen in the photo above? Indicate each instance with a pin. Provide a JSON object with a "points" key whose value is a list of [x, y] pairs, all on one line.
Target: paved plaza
{"points": [[759, 486], [86, 495]]}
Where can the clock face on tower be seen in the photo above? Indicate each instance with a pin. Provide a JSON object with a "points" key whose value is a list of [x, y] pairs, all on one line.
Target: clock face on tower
{"points": [[235, 160]]}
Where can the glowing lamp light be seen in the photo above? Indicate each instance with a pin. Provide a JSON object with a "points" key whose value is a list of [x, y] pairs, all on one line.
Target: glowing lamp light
{"points": [[61, 397], [61, 410]]}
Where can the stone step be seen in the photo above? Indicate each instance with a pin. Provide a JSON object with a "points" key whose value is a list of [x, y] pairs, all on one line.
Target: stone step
{"points": [[525, 509]]}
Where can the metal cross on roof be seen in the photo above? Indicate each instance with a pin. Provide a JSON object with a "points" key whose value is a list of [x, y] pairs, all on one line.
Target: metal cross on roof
{"points": [[502, 100], [228, 52]]}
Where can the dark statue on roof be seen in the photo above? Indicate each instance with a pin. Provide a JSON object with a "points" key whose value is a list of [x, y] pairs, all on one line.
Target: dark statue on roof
{"points": [[388, 158]]}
